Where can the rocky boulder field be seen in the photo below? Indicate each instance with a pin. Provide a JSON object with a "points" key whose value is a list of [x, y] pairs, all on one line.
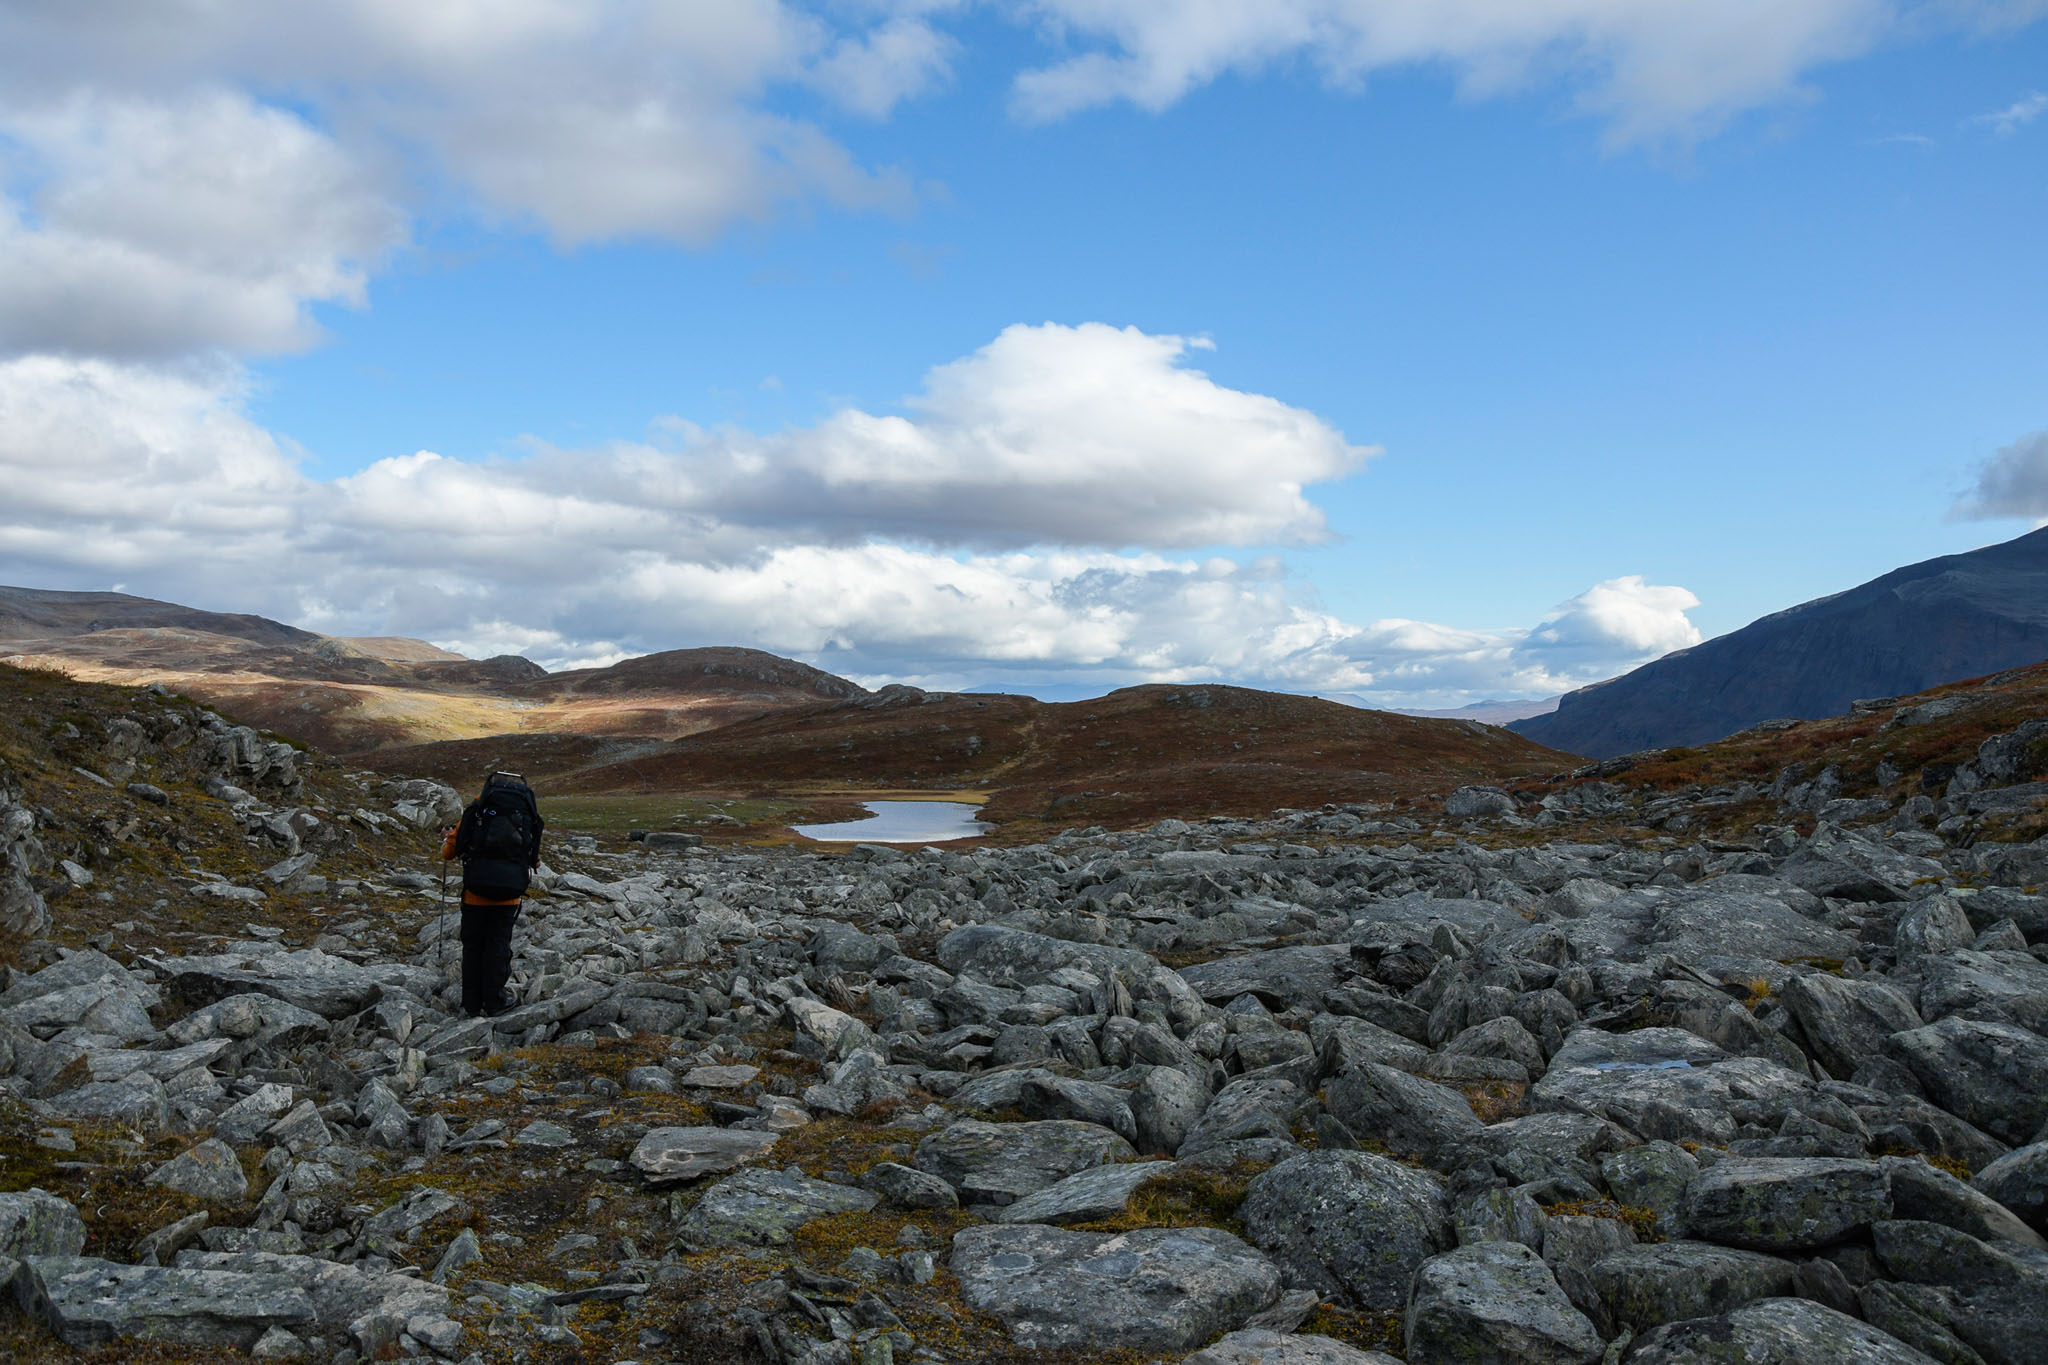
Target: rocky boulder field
{"points": [[1487, 1081]]}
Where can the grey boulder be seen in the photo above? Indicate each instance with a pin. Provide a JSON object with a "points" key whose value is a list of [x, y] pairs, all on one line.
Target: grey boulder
{"points": [[372, 1307], [1495, 1303], [1925, 1193], [1989, 1074], [764, 1208], [1260, 1106], [1046, 1096], [1278, 977], [1648, 1286], [2019, 1180], [908, 1188], [328, 986], [210, 1171], [1017, 958], [1991, 1296], [999, 1163], [1658, 1082], [1414, 1117], [1348, 1224], [1847, 1021], [1774, 1332], [38, 1223], [1166, 1105], [1158, 1289], [1471, 803], [667, 1156], [1786, 1203]]}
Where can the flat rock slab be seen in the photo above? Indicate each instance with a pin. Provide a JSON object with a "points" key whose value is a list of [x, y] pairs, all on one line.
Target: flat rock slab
{"points": [[1476, 919], [1786, 1203], [720, 1077], [1088, 1195], [1998, 985], [89, 1302], [1000, 1163], [139, 1101], [1658, 1082], [668, 1156], [1775, 1332], [1159, 1289], [109, 1007], [110, 1064], [763, 1208], [1256, 1346], [372, 1308], [82, 967], [1695, 924], [329, 986], [1279, 977]]}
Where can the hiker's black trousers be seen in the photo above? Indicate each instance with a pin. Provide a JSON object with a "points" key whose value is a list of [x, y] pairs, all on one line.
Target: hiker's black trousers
{"points": [[486, 954]]}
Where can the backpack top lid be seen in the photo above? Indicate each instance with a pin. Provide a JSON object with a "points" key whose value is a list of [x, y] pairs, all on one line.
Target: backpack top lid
{"points": [[503, 780]]}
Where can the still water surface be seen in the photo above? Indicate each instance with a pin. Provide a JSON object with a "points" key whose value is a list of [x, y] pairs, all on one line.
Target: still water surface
{"points": [[902, 822]]}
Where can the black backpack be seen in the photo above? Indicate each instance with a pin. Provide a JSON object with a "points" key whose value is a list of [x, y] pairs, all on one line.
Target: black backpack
{"points": [[499, 839]]}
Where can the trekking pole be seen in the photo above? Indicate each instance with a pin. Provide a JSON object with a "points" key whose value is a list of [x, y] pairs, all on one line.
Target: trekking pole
{"points": [[441, 938]]}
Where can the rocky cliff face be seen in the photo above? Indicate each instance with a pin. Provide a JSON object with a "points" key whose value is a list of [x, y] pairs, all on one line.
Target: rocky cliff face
{"points": [[1954, 617], [1649, 1076]]}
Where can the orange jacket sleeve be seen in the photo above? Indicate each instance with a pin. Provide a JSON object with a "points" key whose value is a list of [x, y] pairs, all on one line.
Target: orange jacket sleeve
{"points": [[448, 844]]}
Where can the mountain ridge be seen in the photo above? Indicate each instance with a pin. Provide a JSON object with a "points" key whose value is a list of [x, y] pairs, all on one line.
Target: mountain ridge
{"points": [[1916, 627]]}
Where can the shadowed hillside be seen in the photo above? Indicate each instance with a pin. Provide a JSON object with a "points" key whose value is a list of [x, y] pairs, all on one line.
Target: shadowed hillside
{"points": [[1918, 627]]}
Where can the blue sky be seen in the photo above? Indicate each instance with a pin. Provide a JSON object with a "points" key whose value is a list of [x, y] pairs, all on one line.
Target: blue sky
{"points": [[1536, 342]]}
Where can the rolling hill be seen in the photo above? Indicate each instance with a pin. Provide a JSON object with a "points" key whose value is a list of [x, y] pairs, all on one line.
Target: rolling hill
{"points": [[1132, 757], [350, 696], [725, 720]]}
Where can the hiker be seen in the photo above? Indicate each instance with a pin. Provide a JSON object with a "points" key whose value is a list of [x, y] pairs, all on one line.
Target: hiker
{"points": [[499, 844]]}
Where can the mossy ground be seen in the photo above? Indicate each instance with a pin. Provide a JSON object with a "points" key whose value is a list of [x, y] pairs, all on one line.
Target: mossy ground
{"points": [[105, 1177], [143, 856], [1185, 1198]]}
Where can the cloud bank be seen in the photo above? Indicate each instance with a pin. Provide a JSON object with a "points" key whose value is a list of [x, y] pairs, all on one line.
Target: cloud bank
{"points": [[828, 542]]}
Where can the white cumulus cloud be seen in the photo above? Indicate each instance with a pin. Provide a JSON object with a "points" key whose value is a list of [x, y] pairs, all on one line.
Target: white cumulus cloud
{"points": [[1625, 615], [155, 229], [1050, 434], [592, 120]]}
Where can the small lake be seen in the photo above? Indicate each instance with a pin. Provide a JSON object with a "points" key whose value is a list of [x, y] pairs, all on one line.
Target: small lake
{"points": [[903, 822]]}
